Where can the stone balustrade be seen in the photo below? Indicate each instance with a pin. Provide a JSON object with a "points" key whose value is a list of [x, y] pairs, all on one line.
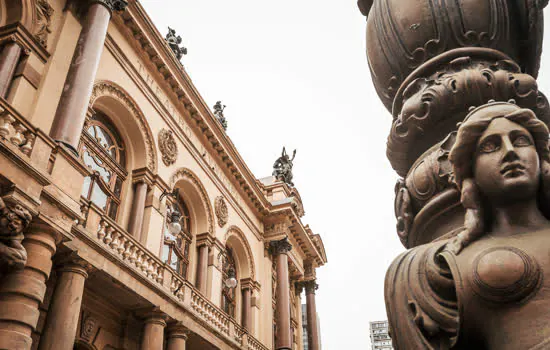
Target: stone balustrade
{"points": [[128, 249], [239, 331], [255, 344], [177, 284], [210, 312], [15, 129]]}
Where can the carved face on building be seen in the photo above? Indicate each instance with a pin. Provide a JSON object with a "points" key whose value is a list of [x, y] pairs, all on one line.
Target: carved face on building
{"points": [[506, 164]]}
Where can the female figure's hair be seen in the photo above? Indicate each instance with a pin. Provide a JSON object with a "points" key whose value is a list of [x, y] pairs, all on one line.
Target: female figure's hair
{"points": [[462, 157]]}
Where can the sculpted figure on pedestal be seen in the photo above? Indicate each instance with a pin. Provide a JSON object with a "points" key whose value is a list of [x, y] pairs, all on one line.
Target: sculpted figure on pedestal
{"points": [[484, 288], [14, 219], [174, 42], [282, 169]]}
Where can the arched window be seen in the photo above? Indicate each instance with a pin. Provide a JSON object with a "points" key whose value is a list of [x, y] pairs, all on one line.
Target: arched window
{"points": [[102, 151], [175, 251], [229, 294]]}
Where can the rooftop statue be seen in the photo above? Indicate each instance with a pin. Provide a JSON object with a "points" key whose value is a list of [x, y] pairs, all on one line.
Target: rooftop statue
{"points": [[13, 221], [282, 169], [218, 112], [478, 289], [174, 42]]}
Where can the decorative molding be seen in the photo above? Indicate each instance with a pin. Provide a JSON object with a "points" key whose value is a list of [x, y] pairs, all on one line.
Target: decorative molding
{"points": [[44, 13], [168, 147], [238, 233], [89, 328], [113, 5], [186, 174], [106, 88], [220, 207]]}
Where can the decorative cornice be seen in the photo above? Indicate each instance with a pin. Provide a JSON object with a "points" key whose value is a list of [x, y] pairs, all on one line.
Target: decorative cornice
{"points": [[280, 247]]}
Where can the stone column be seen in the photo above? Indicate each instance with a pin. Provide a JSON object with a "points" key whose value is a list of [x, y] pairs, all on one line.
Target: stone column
{"points": [[280, 250], [73, 104], [9, 58], [202, 268], [177, 337], [135, 225], [62, 319], [22, 291], [153, 330], [246, 306], [311, 308]]}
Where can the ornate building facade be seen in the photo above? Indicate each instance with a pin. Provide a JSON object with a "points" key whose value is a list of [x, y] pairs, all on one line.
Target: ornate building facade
{"points": [[130, 219]]}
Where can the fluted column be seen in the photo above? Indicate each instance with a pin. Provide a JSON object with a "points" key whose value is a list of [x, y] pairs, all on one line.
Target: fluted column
{"points": [[22, 291], [9, 58], [280, 250], [311, 308], [153, 330], [73, 104], [61, 323], [246, 306], [177, 337], [135, 225], [202, 268]]}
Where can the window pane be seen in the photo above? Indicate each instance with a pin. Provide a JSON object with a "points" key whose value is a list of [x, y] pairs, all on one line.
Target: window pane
{"points": [[113, 208], [184, 269], [103, 138], [165, 253], [186, 250], [86, 187], [96, 164], [118, 187], [99, 197], [174, 261]]}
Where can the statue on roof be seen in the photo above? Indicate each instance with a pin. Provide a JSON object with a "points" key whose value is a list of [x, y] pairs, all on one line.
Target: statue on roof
{"points": [[282, 169], [174, 42], [218, 112]]}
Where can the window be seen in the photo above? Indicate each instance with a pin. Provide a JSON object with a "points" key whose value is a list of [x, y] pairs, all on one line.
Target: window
{"points": [[102, 151], [175, 251], [229, 294]]}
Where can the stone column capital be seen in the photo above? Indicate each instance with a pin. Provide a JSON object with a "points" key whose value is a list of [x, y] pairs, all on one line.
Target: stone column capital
{"points": [[73, 263], [153, 316], [111, 5], [311, 286], [280, 247], [178, 330]]}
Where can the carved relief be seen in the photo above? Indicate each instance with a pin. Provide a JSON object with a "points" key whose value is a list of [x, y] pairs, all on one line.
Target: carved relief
{"points": [[280, 247], [443, 97], [168, 147], [220, 208], [89, 328], [112, 90], [14, 220], [114, 5], [44, 13]]}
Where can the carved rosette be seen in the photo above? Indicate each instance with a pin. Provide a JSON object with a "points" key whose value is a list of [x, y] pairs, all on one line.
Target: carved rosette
{"points": [[168, 147], [44, 13], [220, 207], [280, 247]]}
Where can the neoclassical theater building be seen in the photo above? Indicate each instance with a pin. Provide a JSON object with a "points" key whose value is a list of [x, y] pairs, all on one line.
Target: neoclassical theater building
{"points": [[142, 226]]}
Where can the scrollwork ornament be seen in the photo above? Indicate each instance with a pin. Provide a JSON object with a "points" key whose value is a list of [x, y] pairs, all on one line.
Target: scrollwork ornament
{"points": [[44, 13], [168, 147], [220, 207]]}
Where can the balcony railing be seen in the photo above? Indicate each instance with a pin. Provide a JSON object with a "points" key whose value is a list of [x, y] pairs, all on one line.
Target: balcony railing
{"points": [[15, 129], [210, 312]]}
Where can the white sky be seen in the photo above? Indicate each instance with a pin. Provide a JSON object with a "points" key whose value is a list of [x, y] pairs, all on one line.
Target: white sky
{"points": [[294, 73]]}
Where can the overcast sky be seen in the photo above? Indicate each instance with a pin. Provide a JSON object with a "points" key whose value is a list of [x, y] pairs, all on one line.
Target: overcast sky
{"points": [[294, 73]]}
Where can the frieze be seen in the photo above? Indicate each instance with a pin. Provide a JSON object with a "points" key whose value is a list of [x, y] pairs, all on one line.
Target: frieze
{"points": [[168, 147]]}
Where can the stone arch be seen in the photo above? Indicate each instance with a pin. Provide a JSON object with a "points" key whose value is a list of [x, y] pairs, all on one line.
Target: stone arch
{"points": [[196, 198], [23, 11], [112, 99], [236, 240]]}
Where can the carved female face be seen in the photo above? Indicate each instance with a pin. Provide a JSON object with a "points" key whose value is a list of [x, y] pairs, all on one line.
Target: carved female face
{"points": [[506, 162]]}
